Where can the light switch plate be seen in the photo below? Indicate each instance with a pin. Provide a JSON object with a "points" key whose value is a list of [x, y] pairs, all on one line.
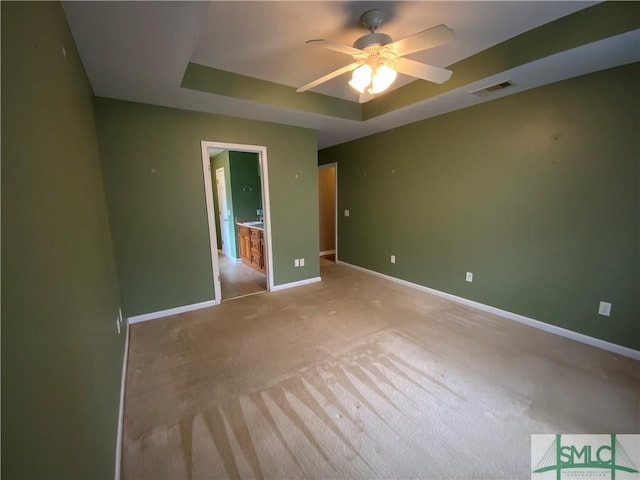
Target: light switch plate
{"points": [[346, 213], [296, 263], [469, 277], [393, 259]]}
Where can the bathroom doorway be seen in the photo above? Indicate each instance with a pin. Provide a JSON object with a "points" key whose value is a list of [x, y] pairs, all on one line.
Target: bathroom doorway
{"points": [[328, 204], [238, 271]]}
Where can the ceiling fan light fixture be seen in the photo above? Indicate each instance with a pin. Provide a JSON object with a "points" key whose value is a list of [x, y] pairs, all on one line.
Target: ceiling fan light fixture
{"points": [[365, 78], [361, 78], [382, 79]]}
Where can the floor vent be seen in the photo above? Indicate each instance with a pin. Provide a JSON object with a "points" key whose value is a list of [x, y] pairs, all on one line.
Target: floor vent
{"points": [[481, 92]]}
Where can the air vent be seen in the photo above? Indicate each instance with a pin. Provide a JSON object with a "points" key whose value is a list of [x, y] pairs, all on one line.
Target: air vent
{"points": [[481, 92]]}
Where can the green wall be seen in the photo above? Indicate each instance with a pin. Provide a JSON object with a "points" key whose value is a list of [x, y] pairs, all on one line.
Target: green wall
{"points": [[245, 184], [537, 194], [155, 190], [61, 354]]}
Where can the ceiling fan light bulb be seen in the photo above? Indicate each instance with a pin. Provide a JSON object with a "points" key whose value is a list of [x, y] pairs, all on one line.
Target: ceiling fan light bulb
{"points": [[361, 78], [357, 87], [382, 79]]}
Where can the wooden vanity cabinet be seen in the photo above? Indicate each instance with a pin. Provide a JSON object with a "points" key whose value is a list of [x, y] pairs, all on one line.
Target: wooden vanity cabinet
{"points": [[244, 236], [257, 249], [251, 242]]}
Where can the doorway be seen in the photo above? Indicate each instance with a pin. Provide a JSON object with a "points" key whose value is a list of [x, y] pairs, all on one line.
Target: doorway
{"points": [[223, 212], [328, 204], [232, 277]]}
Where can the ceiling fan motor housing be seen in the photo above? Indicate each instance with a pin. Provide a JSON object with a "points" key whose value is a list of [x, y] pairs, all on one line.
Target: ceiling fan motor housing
{"points": [[372, 40], [372, 19]]}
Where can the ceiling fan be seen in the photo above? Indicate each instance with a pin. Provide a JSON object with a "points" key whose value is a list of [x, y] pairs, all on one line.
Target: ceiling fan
{"points": [[377, 59]]}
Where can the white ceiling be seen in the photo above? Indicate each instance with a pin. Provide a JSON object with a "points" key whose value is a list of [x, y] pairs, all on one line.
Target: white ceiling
{"points": [[138, 51]]}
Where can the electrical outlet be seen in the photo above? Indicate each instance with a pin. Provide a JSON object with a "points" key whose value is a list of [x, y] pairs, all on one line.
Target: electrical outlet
{"points": [[393, 259], [346, 213], [302, 262], [296, 263], [469, 277], [604, 309]]}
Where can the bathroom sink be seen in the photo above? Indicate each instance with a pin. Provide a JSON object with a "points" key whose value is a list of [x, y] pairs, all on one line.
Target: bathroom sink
{"points": [[254, 224]]}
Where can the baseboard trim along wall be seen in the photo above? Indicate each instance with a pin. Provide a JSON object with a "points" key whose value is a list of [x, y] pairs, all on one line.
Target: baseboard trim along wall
{"points": [[563, 332], [125, 360], [197, 306], [172, 311], [299, 283], [327, 252]]}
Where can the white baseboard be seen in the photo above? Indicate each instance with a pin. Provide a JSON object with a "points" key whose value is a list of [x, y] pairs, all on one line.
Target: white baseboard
{"points": [[563, 332], [125, 360], [299, 283], [327, 252], [172, 311]]}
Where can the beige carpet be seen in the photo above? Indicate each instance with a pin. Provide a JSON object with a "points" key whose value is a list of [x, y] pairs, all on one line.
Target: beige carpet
{"points": [[357, 377], [238, 279]]}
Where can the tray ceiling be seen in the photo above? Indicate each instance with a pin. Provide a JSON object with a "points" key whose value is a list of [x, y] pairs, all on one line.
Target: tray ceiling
{"points": [[246, 58]]}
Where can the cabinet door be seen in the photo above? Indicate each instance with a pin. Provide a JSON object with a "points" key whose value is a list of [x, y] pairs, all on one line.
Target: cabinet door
{"points": [[255, 251], [257, 256], [245, 248]]}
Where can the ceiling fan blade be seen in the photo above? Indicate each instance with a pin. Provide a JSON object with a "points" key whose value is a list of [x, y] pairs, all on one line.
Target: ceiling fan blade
{"points": [[328, 76], [423, 71], [365, 97], [335, 46], [422, 40]]}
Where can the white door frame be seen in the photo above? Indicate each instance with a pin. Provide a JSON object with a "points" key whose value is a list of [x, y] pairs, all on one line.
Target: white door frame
{"points": [[335, 213], [266, 209]]}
